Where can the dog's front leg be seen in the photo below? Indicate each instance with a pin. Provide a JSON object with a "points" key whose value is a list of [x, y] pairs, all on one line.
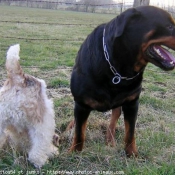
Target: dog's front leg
{"points": [[38, 153], [130, 110], [41, 148], [81, 115], [110, 137]]}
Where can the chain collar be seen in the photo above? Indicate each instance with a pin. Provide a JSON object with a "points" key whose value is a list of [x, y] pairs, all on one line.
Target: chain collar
{"points": [[117, 77]]}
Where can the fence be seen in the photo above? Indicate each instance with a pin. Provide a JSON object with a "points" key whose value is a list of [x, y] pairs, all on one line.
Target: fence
{"points": [[117, 7], [94, 8]]}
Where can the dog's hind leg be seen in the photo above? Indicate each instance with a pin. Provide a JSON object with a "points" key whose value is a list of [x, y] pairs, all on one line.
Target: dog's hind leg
{"points": [[130, 110], [71, 125], [110, 137], [81, 115]]}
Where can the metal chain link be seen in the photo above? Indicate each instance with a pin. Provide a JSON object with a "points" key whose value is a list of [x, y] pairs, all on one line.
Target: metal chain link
{"points": [[117, 78]]}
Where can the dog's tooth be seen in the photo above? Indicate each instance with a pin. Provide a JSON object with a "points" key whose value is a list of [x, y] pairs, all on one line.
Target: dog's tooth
{"points": [[171, 62], [159, 53]]}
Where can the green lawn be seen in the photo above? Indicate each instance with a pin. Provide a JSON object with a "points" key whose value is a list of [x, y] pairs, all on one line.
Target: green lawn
{"points": [[49, 43]]}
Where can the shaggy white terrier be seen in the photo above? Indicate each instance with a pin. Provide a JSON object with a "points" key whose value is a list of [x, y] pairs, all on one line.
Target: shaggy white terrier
{"points": [[26, 113]]}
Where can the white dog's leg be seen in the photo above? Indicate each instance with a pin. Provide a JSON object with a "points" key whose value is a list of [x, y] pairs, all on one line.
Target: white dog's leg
{"points": [[42, 147], [3, 136], [37, 153], [2, 139]]}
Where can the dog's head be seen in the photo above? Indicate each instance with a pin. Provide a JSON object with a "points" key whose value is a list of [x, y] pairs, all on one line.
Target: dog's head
{"points": [[146, 32]]}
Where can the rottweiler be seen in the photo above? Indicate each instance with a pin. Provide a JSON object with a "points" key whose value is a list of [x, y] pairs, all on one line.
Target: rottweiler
{"points": [[109, 69]]}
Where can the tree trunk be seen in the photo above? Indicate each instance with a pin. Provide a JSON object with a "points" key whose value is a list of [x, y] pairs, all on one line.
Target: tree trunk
{"points": [[140, 2]]}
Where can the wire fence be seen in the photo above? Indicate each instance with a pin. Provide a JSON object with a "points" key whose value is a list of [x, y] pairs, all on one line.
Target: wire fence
{"points": [[117, 7], [93, 8]]}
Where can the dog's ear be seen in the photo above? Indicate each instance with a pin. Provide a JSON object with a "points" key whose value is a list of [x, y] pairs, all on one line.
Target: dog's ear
{"points": [[123, 19]]}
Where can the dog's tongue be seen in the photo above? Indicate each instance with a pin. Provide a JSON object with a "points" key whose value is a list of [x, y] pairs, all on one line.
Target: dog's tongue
{"points": [[164, 53]]}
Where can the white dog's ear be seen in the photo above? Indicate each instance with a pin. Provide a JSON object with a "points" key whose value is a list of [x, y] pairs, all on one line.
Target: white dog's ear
{"points": [[12, 64]]}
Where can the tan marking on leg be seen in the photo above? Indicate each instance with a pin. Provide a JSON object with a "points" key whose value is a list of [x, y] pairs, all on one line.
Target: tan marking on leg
{"points": [[78, 145], [130, 145], [70, 125], [110, 137]]}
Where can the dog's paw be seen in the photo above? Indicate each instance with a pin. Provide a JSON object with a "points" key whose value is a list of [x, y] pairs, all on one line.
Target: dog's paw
{"points": [[131, 151], [110, 142], [37, 160], [53, 151]]}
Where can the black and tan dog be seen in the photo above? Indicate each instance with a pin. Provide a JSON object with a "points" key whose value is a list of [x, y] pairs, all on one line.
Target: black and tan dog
{"points": [[109, 68]]}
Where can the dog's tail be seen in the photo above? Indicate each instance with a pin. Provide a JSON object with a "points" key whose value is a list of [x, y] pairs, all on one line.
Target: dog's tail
{"points": [[12, 63]]}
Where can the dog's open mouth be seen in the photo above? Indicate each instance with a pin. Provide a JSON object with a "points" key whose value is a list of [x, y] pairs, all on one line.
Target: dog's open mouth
{"points": [[161, 57]]}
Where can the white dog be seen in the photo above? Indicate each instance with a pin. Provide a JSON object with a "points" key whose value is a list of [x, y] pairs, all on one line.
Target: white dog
{"points": [[26, 113]]}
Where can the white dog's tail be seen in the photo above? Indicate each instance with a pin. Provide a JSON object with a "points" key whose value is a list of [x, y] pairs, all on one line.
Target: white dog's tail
{"points": [[12, 63]]}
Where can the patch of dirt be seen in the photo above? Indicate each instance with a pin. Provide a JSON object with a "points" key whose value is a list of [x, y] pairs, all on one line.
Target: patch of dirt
{"points": [[58, 93]]}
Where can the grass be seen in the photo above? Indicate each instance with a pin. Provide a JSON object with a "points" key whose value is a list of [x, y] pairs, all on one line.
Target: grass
{"points": [[49, 43]]}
